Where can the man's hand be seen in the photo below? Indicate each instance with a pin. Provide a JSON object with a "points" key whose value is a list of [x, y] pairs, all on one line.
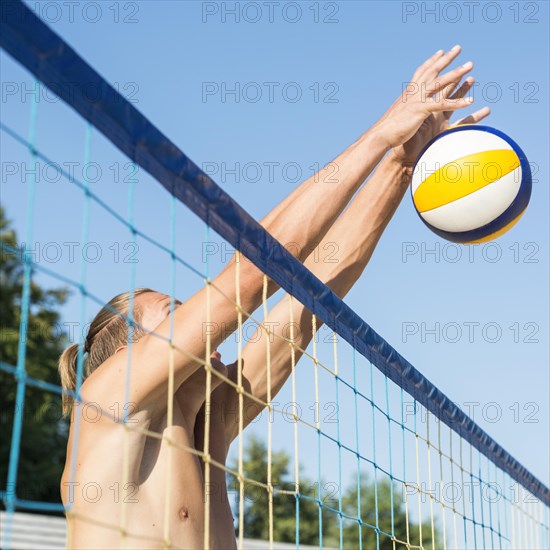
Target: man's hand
{"points": [[434, 124], [423, 110]]}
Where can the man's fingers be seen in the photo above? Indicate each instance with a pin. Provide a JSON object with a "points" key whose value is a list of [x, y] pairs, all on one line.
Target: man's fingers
{"points": [[426, 64], [473, 118], [449, 104], [452, 77], [453, 93], [444, 61], [443, 94], [464, 88]]}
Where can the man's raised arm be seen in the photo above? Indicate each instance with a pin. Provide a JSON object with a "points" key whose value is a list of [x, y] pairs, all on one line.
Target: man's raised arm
{"points": [[355, 234], [303, 218]]}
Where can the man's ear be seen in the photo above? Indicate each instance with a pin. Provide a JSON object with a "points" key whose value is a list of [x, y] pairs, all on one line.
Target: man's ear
{"points": [[120, 348]]}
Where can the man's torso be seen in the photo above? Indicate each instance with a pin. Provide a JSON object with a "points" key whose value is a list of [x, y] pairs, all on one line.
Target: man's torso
{"points": [[156, 491]]}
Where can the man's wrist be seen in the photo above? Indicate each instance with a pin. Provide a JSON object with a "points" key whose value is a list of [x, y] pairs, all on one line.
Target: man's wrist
{"points": [[404, 166], [377, 139], [400, 159]]}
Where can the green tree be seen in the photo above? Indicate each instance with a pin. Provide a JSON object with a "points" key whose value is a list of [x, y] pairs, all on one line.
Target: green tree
{"points": [[336, 530], [380, 497], [256, 501], [44, 437]]}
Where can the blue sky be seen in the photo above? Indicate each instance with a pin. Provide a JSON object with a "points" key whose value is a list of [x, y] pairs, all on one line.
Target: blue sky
{"points": [[332, 73]]}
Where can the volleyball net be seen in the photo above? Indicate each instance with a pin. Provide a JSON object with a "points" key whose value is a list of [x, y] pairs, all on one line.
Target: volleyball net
{"points": [[377, 455]]}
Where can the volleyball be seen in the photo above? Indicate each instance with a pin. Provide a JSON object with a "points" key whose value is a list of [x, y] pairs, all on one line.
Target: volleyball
{"points": [[471, 184]]}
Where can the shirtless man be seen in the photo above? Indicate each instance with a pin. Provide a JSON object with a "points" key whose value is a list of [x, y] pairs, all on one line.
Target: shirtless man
{"points": [[309, 217]]}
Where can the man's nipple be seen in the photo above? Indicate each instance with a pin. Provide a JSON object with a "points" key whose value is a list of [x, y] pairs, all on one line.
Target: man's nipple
{"points": [[183, 513]]}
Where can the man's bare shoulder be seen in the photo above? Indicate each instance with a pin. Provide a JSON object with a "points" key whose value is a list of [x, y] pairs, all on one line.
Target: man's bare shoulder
{"points": [[117, 386], [107, 380]]}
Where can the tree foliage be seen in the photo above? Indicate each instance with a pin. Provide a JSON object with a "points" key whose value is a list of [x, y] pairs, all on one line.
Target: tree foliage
{"points": [[44, 436], [256, 508], [378, 501], [322, 507]]}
